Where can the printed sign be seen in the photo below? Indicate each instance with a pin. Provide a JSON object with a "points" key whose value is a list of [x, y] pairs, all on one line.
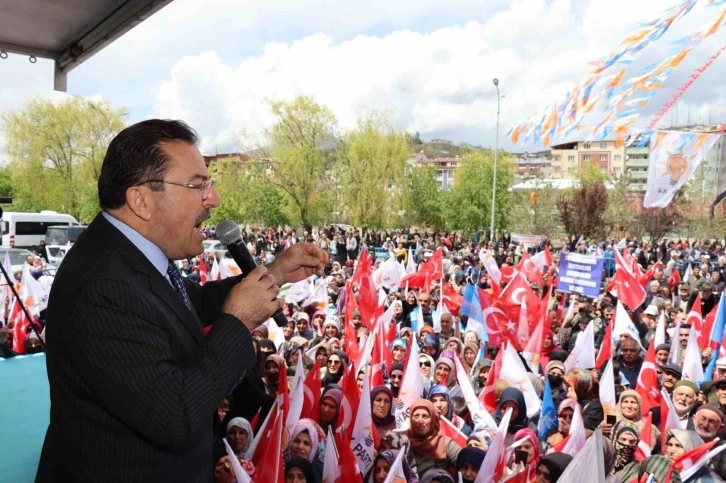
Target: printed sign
{"points": [[580, 273]]}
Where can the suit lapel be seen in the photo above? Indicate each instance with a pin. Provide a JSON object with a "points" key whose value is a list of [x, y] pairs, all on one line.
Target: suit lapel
{"points": [[158, 284]]}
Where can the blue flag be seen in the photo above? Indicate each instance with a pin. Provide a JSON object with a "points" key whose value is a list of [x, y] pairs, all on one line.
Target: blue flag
{"points": [[471, 307], [548, 413], [716, 338]]}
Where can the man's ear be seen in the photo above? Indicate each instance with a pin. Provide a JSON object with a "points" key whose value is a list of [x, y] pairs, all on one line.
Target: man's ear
{"points": [[140, 202]]}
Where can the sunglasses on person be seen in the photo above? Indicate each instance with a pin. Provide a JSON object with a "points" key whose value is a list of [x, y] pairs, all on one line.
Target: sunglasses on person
{"points": [[333, 361], [424, 364], [395, 377]]}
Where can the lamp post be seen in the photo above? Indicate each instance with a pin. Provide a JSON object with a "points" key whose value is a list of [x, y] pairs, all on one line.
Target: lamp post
{"points": [[496, 157]]}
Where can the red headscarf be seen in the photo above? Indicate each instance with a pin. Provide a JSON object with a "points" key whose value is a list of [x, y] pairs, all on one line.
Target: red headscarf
{"points": [[532, 465]]}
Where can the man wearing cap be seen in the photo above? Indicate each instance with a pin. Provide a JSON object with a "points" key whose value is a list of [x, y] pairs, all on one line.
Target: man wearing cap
{"points": [[661, 357], [721, 368], [708, 298], [672, 373], [685, 395], [708, 421], [650, 319]]}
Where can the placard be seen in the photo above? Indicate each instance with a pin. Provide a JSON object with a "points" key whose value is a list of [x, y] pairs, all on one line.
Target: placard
{"points": [[580, 273]]}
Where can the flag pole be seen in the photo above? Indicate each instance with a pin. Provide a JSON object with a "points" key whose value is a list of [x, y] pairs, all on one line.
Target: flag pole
{"points": [[22, 306]]}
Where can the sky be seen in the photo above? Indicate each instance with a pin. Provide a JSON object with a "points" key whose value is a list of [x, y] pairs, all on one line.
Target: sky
{"points": [[217, 63]]}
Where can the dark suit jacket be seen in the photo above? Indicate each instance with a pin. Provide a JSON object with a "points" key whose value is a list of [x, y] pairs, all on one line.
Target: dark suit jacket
{"points": [[133, 379]]}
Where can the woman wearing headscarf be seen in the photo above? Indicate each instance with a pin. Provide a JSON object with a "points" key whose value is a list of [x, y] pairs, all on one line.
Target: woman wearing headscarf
{"points": [[628, 409], [469, 356], [437, 476], [445, 372], [329, 409], [513, 398], [468, 463], [398, 348], [531, 446], [430, 447], [335, 368], [480, 374], [454, 344], [548, 345], [381, 404], [441, 399], [382, 466], [471, 337], [299, 470], [399, 441], [302, 322], [552, 466], [239, 436], [431, 345], [625, 442], [660, 468], [395, 378], [681, 441], [291, 353], [307, 441], [564, 418]]}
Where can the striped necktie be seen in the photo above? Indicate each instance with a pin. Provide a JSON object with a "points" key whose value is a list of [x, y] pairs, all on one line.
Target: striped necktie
{"points": [[178, 282]]}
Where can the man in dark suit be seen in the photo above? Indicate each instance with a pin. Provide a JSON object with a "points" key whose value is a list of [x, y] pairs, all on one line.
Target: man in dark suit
{"points": [[134, 380]]}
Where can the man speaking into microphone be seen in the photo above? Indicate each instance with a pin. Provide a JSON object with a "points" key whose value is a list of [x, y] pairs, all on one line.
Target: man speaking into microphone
{"points": [[134, 380]]}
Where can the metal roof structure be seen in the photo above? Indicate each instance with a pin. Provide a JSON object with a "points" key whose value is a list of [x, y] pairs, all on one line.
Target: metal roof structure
{"points": [[68, 31]]}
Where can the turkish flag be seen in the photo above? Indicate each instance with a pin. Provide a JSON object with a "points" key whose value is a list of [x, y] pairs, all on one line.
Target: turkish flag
{"points": [[368, 301], [630, 292], [351, 304], [363, 267], [528, 267], [695, 318], [349, 403], [645, 278], [351, 342], [606, 347], [516, 294], [451, 298], [675, 279], [487, 396], [203, 272], [704, 338], [647, 385], [312, 392], [268, 454], [452, 432], [646, 437]]}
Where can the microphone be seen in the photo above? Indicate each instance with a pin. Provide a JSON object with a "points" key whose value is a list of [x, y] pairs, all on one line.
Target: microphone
{"points": [[228, 233]]}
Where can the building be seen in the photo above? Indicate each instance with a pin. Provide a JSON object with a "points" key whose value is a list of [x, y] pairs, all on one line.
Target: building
{"points": [[568, 158], [636, 166], [215, 163], [445, 168], [531, 165]]}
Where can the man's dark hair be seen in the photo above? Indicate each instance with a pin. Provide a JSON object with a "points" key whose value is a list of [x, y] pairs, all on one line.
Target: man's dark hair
{"points": [[685, 326], [135, 155]]}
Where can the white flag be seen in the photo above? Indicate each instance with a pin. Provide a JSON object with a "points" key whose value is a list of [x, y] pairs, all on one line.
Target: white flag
{"points": [[297, 395], [214, 272], [576, 439], [396, 473], [239, 473], [516, 375], [228, 268], [411, 388], [607, 389], [673, 355], [674, 156], [621, 244], [388, 275], [32, 293], [491, 267], [479, 415], [689, 274], [318, 297], [495, 452], [410, 264], [692, 368], [362, 439], [660, 330], [588, 465], [623, 325], [299, 291], [331, 468], [583, 355]]}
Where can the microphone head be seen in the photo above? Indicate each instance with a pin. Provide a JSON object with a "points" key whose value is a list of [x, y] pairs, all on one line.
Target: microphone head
{"points": [[228, 232]]}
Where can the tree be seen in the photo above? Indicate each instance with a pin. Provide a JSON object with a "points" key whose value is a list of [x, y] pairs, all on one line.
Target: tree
{"points": [[535, 211], [302, 129], [619, 215], [56, 151], [425, 199], [247, 196], [657, 222], [371, 164], [582, 211], [469, 206], [697, 195]]}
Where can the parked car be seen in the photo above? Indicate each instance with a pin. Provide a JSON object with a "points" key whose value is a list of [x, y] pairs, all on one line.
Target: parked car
{"points": [[63, 234], [22, 230]]}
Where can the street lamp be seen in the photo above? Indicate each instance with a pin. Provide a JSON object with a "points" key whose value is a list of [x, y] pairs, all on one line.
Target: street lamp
{"points": [[496, 156]]}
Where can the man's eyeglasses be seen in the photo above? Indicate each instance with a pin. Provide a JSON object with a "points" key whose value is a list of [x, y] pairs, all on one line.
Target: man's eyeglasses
{"points": [[204, 187]]}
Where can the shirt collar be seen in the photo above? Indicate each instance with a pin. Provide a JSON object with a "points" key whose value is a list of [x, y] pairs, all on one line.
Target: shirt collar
{"points": [[152, 252]]}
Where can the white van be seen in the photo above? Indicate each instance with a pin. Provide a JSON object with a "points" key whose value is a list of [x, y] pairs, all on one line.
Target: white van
{"points": [[24, 230]]}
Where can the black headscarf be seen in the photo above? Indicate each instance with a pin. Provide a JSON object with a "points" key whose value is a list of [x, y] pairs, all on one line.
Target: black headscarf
{"points": [[512, 394], [303, 465], [389, 418], [473, 456], [556, 463], [329, 378]]}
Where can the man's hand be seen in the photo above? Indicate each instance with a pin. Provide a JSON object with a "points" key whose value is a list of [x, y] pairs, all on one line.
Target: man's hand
{"points": [[298, 262], [254, 299]]}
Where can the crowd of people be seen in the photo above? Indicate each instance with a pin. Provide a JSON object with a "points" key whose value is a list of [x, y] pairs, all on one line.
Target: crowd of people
{"points": [[318, 338]]}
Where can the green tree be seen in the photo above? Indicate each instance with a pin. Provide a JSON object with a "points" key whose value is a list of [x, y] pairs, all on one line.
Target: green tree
{"points": [[619, 215], [56, 151], [468, 207], [371, 163], [425, 199], [535, 211], [582, 211], [697, 195], [247, 196], [294, 152]]}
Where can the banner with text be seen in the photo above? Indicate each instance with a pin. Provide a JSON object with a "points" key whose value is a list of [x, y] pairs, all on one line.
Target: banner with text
{"points": [[528, 240], [580, 273]]}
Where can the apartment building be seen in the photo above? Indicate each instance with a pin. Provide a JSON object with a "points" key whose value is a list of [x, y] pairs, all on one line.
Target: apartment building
{"points": [[530, 165], [445, 168], [568, 158]]}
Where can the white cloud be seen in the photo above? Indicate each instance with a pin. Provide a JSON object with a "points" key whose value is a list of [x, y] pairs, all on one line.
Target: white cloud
{"points": [[216, 63]]}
